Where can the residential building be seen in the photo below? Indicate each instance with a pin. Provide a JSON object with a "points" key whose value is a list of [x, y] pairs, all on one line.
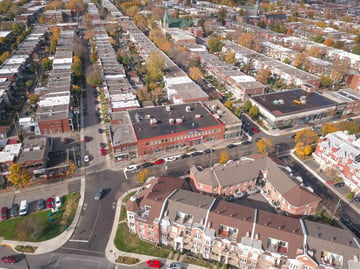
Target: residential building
{"points": [[346, 96], [34, 153], [258, 171], [340, 152], [164, 213]]}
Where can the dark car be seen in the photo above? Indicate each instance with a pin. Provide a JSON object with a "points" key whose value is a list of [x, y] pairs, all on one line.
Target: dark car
{"points": [[14, 211], [247, 142], [99, 194], [87, 138], [196, 153], [100, 131], [345, 219], [230, 146], [4, 213], [145, 165], [102, 145], [40, 205], [207, 151], [160, 161], [9, 259], [357, 199], [339, 184], [184, 156], [66, 141]]}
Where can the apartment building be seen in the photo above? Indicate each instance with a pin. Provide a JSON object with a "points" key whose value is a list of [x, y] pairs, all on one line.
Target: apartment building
{"points": [[340, 151], [163, 212]]}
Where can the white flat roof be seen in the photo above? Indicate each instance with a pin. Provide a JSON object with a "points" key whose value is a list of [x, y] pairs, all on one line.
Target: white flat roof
{"points": [[13, 149], [4, 33], [54, 101], [62, 60], [122, 97], [177, 80], [125, 104], [243, 78]]}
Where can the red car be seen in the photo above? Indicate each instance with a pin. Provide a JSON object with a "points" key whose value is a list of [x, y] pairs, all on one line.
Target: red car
{"points": [[255, 130], [49, 202], [4, 213], [153, 263], [87, 139], [9, 259], [103, 152], [160, 161], [66, 141]]}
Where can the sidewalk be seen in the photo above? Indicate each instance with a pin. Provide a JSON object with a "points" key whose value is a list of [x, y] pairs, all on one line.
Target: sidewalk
{"points": [[56, 242]]}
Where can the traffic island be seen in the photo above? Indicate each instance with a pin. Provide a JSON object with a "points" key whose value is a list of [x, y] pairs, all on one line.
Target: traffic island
{"points": [[127, 260], [25, 249]]}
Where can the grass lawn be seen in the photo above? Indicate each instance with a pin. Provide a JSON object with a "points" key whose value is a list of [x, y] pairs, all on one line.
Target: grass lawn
{"points": [[198, 262], [37, 227], [127, 197], [128, 242], [123, 213]]}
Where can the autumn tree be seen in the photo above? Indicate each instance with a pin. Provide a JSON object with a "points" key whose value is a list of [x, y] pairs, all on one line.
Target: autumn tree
{"points": [[303, 149], [299, 60], [318, 38], [339, 44], [46, 64], [33, 99], [329, 42], [339, 69], [157, 12], [326, 81], [263, 75], [77, 66], [19, 176], [71, 169], [154, 65], [351, 126], [223, 157], [4, 56], [195, 73], [230, 57], [289, 31], [214, 44], [254, 112], [264, 145], [306, 136], [142, 175], [94, 76], [250, 41], [247, 105], [228, 104], [141, 21], [328, 128], [54, 37], [315, 51]]}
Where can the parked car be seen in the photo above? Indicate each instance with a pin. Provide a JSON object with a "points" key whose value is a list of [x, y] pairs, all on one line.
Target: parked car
{"points": [[40, 204], [174, 265], [255, 130], [9, 259], [145, 165], [57, 202], [100, 131], [4, 213], [230, 146], [66, 141], [339, 184], [357, 199], [207, 151], [102, 145], [160, 161], [49, 202], [99, 194], [153, 263], [103, 152], [86, 158], [184, 156], [196, 153], [14, 211], [131, 168], [87, 138], [170, 159], [247, 142]]}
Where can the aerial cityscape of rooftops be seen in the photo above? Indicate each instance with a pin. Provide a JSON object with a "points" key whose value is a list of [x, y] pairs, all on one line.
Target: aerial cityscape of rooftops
{"points": [[180, 134]]}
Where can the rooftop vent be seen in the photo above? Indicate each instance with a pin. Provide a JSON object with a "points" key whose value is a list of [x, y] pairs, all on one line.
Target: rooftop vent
{"points": [[188, 108], [214, 107], [179, 121], [171, 121], [197, 116], [168, 108], [153, 121], [147, 116]]}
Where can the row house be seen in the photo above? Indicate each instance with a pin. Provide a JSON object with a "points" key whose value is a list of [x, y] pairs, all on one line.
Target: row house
{"points": [[350, 98], [54, 113], [353, 81], [238, 83], [340, 151], [179, 87], [163, 212], [258, 171]]}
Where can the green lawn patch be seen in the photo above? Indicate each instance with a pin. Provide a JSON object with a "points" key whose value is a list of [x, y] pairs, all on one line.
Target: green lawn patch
{"points": [[322, 216], [125, 241], [123, 213], [127, 197], [37, 226], [199, 262]]}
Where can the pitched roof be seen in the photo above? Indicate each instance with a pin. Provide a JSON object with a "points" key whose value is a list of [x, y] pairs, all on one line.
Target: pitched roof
{"points": [[298, 196]]}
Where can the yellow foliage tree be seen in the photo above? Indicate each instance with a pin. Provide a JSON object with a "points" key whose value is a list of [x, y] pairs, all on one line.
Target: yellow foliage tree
{"points": [[328, 128], [306, 136], [329, 42], [72, 168], [223, 157], [19, 176], [302, 149], [195, 73], [228, 104], [264, 145], [230, 57], [142, 175]]}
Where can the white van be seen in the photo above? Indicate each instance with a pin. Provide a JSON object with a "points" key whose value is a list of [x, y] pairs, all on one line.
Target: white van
{"points": [[23, 208]]}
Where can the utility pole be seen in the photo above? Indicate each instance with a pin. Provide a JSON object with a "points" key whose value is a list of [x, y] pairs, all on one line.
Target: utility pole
{"points": [[336, 208]]}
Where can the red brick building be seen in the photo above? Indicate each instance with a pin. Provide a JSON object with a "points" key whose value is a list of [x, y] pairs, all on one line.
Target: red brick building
{"points": [[354, 82]]}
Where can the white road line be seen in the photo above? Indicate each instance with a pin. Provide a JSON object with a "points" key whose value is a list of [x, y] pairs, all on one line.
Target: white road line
{"points": [[78, 240]]}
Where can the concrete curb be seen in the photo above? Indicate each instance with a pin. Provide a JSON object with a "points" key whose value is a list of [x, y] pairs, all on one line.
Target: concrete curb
{"points": [[56, 242]]}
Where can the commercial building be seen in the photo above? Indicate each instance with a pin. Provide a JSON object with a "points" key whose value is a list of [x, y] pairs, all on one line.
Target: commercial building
{"points": [[340, 152], [294, 108], [163, 212], [148, 130]]}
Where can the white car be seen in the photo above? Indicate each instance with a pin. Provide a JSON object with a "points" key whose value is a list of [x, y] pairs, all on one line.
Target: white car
{"points": [[170, 159], [174, 265], [86, 158], [57, 202], [131, 168]]}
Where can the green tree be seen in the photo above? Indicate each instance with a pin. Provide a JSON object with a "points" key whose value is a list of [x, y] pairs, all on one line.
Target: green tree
{"points": [[356, 50], [326, 81], [247, 106], [254, 112], [214, 44], [154, 65], [318, 38], [29, 83], [77, 66], [19, 176], [94, 76]]}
